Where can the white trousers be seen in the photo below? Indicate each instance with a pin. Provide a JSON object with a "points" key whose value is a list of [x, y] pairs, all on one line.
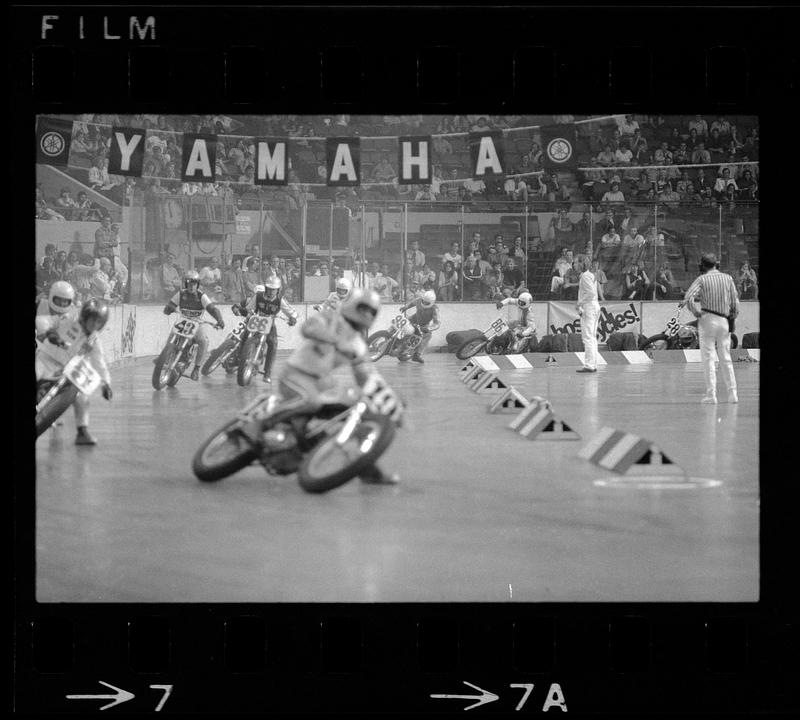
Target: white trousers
{"points": [[591, 314], [714, 334]]}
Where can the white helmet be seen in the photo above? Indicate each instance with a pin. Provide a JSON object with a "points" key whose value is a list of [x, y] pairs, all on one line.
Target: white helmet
{"points": [[361, 307], [191, 276], [61, 297], [524, 300], [273, 284], [343, 287], [427, 298]]}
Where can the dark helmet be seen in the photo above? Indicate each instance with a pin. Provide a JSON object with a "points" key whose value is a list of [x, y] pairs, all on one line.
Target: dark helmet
{"points": [[93, 316], [708, 261]]}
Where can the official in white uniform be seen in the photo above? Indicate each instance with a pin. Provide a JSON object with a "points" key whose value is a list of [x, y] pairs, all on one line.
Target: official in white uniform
{"points": [[588, 308], [718, 301]]}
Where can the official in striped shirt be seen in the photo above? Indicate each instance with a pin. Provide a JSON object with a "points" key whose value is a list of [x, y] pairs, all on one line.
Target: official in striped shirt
{"points": [[713, 299]]}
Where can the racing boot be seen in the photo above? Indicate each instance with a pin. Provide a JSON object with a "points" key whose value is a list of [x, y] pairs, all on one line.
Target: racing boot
{"points": [[417, 358], [83, 437], [195, 373], [375, 476], [267, 378]]}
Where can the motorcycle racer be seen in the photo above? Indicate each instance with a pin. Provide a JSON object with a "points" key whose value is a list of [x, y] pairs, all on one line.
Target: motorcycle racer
{"points": [[63, 334], [425, 320], [268, 301], [332, 339], [525, 327], [60, 299], [192, 302], [343, 288]]}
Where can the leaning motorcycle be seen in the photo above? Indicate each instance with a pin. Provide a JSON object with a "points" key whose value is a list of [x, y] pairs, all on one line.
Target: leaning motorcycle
{"points": [[493, 341], [226, 353], [254, 350], [399, 341], [326, 443], [678, 335], [55, 395], [179, 352]]}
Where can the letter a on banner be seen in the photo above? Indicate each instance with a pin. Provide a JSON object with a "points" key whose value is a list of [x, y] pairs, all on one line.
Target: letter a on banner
{"points": [[199, 158], [487, 152], [343, 161], [272, 162], [414, 160], [126, 155]]}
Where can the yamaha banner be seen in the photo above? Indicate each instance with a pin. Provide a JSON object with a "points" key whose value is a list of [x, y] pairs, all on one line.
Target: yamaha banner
{"points": [[126, 155], [53, 138], [343, 161], [199, 158], [558, 147], [414, 160], [272, 162], [487, 154]]}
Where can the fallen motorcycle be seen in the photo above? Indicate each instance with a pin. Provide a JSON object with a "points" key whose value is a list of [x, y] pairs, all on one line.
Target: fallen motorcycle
{"points": [[399, 341], [677, 335], [179, 352], [493, 341], [326, 443]]}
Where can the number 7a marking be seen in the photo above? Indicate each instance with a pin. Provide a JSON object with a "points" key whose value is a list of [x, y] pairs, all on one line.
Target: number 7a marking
{"points": [[167, 691], [528, 688]]}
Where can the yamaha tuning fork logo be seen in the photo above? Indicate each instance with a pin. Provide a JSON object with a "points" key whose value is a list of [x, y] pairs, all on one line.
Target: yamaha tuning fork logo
{"points": [[52, 144], [559, 150]]}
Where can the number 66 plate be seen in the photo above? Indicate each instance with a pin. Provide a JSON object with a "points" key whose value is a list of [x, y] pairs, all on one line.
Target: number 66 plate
{"points": [[82, 375], [498, 327]]}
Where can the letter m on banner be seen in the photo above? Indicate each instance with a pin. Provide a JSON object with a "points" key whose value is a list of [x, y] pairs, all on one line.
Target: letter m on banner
{"points": [[272, 162], [414, 159], [126, 155], [558, 144]]}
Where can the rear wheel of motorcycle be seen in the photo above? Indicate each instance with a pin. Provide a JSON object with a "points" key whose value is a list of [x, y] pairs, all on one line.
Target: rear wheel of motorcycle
{"points": [[216, 357], [222, 454], [470, 348], [245, 372], [378, 344], [161, 372], [650, 343], [56, 407], [329, 465]]}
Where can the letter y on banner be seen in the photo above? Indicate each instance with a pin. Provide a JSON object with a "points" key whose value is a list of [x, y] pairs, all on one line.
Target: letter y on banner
{"points": [[199, 157], [126, 155], [414, 159]]}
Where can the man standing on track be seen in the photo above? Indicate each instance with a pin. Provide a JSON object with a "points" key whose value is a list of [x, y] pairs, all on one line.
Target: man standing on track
{"points": [[588, 308], [719, 306]]}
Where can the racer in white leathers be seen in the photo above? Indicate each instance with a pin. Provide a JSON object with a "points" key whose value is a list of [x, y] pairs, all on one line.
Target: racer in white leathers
{"points": [[344, 287], [63, 334], [425, 319], [332, 339], [525, 327]]}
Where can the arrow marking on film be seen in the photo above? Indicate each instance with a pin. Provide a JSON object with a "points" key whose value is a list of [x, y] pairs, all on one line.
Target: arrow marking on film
{"points": [[120, 696], [484, 697]]}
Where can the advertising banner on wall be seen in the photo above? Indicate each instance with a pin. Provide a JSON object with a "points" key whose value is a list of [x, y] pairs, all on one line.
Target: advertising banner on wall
{"points": [[614, 317]]}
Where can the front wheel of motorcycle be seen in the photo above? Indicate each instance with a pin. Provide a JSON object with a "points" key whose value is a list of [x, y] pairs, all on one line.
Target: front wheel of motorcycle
{"points": [[248, 360], [216, 357], [655, 342], [55, 408], [223, 454], [162, 372], [470, 348], [378, 344], [330, 464]]}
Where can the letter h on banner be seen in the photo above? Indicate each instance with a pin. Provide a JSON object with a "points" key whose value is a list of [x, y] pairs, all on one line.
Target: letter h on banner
{"points": [[414, 159]]}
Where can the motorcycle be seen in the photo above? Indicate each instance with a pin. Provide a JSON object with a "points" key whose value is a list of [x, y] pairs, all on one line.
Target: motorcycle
{"points": [[226, 353], [494, 341], [326, 443], [55, 395], [399, 341], [678, 335], [179, 352], [253, 351]]}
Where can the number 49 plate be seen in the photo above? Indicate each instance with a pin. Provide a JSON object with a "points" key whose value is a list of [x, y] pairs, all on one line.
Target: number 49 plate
{"points": [[82, 375]]}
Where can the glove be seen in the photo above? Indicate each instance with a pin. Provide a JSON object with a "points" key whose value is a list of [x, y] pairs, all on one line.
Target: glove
{"points": [[107, 393], [498, 305], [235, 310], [292, 321], [220, 325], [52, 336]]}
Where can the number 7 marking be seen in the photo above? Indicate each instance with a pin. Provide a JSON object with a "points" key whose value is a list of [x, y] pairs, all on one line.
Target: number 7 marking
{"points": [[168, 690], [528, 688]]}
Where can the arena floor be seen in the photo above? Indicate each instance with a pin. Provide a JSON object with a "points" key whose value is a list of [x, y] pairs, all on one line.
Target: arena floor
{"points": [[481, 514]]}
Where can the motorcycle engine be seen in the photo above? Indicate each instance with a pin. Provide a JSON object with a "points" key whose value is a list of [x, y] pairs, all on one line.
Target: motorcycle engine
{"points": [[280, 455], [687, 336]]}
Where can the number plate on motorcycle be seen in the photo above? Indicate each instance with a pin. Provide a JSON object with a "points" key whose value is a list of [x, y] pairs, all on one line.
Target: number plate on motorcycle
{"points": [[498, 327], [259, 323], [399, 321], [672, 327], [185, 327], [82, 375], [238, 330]]}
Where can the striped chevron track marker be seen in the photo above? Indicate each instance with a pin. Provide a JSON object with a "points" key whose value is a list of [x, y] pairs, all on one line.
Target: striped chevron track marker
{"points": [[617, 451]]}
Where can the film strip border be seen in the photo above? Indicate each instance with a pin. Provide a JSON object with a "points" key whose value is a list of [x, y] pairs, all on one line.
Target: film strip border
{"points": [[407, 660]]}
